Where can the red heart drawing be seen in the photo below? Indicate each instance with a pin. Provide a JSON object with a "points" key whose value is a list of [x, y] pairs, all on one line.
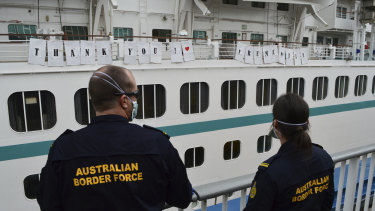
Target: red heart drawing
{"points": [[187, 48]]}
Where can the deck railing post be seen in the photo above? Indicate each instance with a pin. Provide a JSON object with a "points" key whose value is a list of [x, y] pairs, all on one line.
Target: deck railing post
{"points": [[351, 184], [369, 183], [243, 199]]}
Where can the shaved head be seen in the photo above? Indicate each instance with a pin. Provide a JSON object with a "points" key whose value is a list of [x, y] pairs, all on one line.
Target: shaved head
{"points": [[102, 93]]}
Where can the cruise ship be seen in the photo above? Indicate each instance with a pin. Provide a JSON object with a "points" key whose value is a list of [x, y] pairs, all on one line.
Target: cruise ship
{"points": [[218, 67]]}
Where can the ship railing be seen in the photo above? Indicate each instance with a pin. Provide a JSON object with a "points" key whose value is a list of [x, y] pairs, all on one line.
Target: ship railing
{"points": [[354, 185], [204, 49]]}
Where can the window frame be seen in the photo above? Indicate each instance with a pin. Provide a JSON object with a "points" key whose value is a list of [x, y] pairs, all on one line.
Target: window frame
{"points": [[265, 139], [300, 81], [257, 38], [342, 91], [141, 101], [232, 157], [89, 105], [16, 35], [282, 7], [272, 96], [229, 2], [75, 36], [360, 80], [162, 32], [194, 149], [341, 12], [229, 96], [257, 4], [199, 104], [323, 91], [39, 103], [127, 29]]}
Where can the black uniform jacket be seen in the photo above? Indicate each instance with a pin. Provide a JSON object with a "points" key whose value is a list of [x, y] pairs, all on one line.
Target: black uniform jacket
{"points": [[292, 181], [113, 165]]}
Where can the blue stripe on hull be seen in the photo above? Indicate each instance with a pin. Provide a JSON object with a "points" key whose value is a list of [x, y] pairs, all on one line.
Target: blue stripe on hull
{"points": [[41, 148]]}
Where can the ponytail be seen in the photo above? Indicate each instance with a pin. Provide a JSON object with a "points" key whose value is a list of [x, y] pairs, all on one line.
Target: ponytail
{"points": [[302, 141]]}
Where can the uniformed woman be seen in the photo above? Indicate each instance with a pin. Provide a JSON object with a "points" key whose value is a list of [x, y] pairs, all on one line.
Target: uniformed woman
{"points": [[300, 175]]}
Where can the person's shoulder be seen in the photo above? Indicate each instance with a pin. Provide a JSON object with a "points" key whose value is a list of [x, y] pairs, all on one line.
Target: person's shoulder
{"points": [[269, 163], [319, 153], [156, 131]]}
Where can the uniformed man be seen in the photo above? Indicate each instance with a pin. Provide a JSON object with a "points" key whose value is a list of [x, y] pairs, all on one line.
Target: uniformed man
{"points": [[112, 164], [300, 176]]}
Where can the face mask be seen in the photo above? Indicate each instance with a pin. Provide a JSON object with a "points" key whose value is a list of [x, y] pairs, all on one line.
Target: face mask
{"points": [[135, 108], [273, 133]]}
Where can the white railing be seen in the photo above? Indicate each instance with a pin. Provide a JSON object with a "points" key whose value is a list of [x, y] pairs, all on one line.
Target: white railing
{"points": [[17, 51], [350, 194]]}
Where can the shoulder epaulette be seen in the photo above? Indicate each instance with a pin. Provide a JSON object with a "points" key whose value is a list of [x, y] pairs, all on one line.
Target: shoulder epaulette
{"points": [[267, 163], [156, 129], [317, 145]]}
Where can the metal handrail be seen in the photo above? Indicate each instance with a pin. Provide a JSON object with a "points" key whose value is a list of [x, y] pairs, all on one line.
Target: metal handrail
{"points": [[229, 186]]}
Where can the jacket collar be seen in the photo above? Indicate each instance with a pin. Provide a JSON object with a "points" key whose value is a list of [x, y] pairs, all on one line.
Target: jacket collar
{"points": [[108, 118]]}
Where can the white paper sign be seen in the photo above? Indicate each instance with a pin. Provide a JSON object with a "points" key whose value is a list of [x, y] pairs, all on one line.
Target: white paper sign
{"points": [[188, 51], [267, 55], [281, 55], [249, 55], [304, 55], [55, 53], [143, 52], [176, 52], [258, 55], [274, 53], [104, 52], [130, 52], [37, 51], [240, 52], [289, 56], [87, 52], [297, 57], [156, 48], [72, 52]]}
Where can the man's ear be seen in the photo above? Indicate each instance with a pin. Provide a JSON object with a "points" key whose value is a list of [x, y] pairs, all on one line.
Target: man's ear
{"points": [[122, 101]]}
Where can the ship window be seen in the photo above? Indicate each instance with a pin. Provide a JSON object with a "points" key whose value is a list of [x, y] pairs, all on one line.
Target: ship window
{"points": [[194, 157], [264, 144], [75, 32], [229, 37], [199, 35], [258, 4], [16, 31], [341, 86], [126, 33], [233, 94], [283, 38], [320, 88], [32, 110], [194, 97], [84, 110], [360, 85], [296, 85], [282, 6], [231, 150], [233, 2], [266, 92], [341, 12], [162, 34], [151, 101], [373, 85], [305, 41], [255, 38]]}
